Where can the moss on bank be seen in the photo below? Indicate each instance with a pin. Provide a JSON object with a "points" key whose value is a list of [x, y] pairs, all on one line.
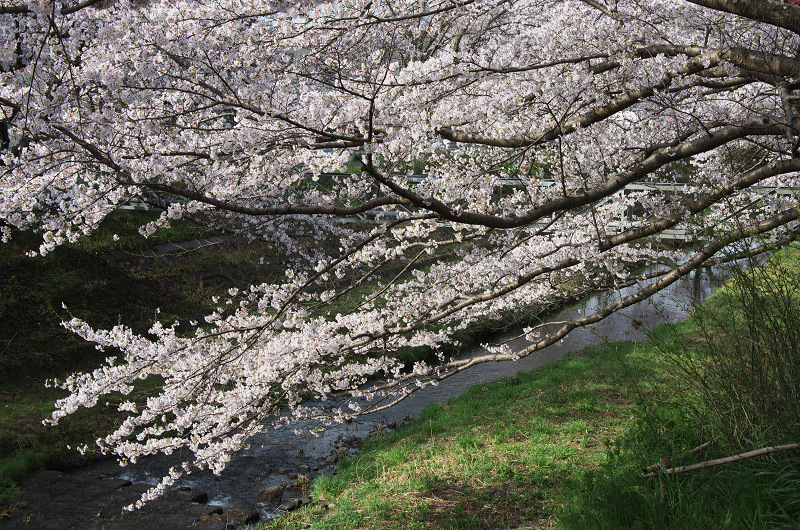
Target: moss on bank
{"points": [[34, 346]]}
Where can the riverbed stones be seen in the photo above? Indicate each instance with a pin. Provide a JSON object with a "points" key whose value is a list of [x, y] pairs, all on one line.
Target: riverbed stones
{"points": [[272, 494], [295, 503], [94, 500], [92, 497], [240, 516], [351, 441], [200, 497]]}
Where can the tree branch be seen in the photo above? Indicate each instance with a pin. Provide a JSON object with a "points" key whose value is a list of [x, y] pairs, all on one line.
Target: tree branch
{"points": [[784, 15], [23, 9], [657, 159], [749, 179]]}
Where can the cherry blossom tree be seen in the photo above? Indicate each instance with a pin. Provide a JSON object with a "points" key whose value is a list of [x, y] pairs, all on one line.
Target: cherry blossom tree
{"points": [[560, 140]]}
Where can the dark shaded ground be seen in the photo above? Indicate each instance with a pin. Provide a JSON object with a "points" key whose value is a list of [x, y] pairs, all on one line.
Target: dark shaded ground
{"points": [[95, 499]]}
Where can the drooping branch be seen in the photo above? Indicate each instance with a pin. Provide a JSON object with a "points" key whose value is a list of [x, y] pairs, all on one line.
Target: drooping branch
{"points": [[449, 369], [747, 180], [340, 211], [107, 160]]}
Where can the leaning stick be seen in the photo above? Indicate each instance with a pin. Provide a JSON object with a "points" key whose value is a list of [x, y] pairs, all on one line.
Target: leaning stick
{"points": [[726, 460], [660, 465]]}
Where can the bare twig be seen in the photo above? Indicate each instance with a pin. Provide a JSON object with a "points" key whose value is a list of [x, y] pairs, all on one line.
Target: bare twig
{"points": [[659, 465]]}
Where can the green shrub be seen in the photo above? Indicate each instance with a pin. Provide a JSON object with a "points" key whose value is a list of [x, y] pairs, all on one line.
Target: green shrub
{"points": [[743, 359], [732, 378]]}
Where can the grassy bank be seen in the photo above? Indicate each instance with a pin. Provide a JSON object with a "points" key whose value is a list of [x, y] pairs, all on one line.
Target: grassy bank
{"points": [[34, 346], [565, 445]]}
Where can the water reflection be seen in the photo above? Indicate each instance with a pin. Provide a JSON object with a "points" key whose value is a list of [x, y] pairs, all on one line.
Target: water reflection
{"points": [[672, 304]]}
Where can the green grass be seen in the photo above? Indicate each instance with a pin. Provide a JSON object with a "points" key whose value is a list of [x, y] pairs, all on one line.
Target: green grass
{"points": [[759, 494], [501, 455], [735, 366]]}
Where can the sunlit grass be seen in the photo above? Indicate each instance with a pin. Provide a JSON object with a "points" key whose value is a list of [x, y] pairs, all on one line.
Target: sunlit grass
{"points": [[501, 455]]}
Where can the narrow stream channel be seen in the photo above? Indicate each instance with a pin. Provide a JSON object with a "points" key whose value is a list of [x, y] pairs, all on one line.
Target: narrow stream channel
{"points": [[278, 457]]}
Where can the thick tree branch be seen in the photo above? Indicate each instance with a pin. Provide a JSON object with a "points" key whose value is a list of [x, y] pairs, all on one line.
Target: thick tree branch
{"points": [[700, 59], [656, 160], [23, 9], [595, 115], [720, 461], [749, 179], [786, 15]]}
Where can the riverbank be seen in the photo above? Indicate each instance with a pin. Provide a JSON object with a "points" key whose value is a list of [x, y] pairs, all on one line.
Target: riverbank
{"points": [[589, 407], [564, 445], [114, 276]]}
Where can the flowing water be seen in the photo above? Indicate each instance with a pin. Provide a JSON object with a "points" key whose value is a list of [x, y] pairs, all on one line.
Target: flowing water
{"points": [[278, 457]]}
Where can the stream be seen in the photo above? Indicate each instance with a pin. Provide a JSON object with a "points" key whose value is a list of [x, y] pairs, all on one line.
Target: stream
{"points": [[262, 481]]}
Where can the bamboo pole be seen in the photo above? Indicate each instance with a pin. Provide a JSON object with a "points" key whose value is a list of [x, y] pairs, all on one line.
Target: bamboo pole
{"points": [[726, 460]]}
